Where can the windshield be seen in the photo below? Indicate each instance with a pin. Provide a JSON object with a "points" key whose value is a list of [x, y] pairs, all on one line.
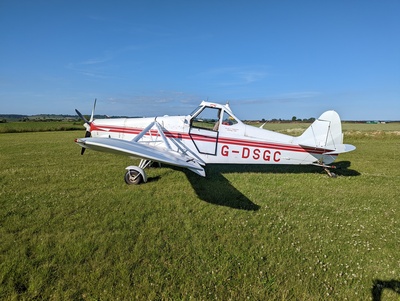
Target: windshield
{"points": [[195, 111], [228, 119]]}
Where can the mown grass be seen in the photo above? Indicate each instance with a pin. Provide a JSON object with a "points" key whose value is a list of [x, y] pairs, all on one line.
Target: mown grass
{"points": [[72, 229], [39, 126]]}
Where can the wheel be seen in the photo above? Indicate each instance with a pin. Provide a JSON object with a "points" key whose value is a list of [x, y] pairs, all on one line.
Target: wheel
{"points": [[133, 177], [330, 173]]}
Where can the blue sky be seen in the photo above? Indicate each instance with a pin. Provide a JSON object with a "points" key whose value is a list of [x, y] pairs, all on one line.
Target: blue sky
{"points": [[269, 59]]}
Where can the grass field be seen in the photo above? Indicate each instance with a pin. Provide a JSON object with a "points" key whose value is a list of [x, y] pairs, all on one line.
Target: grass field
{"points": [[71, 229], [39, 126]]}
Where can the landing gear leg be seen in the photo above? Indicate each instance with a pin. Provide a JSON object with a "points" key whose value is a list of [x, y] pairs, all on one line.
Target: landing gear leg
{"points": [[330, 173], [327, 168]]}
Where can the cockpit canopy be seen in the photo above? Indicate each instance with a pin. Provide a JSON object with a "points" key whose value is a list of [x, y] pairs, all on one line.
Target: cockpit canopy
{"points": [[211, 116]]}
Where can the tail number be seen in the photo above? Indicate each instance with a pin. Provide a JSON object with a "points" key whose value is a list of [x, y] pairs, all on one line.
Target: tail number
{"points": [[254, 153]]}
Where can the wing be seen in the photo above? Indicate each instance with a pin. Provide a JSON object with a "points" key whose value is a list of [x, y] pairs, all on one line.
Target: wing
{"points": [[147, 152]]}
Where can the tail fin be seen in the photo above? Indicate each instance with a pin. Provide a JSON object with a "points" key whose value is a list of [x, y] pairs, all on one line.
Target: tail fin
{"points": [[325, 133]]}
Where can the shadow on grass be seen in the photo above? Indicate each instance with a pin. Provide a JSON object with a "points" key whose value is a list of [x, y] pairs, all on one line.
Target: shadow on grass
{"points": [[153, 179], [216, 189], [342, 169], [380, 285]]}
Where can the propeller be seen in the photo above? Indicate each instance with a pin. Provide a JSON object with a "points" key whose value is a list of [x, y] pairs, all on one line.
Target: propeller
{"points": [[87, 123]]}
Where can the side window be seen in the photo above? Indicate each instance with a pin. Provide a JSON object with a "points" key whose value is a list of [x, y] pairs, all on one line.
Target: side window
{"points": [[228, 119], [207, 119]]}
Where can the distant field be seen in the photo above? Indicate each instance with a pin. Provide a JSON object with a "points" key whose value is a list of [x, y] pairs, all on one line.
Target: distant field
{"points": [[39, 126], [351, 129], [71, 229]]}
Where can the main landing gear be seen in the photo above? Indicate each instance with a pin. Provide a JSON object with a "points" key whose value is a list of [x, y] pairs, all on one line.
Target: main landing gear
{"points": [[136, 174]]}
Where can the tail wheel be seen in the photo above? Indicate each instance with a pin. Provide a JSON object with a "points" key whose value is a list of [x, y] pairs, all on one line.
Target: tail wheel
{"points": [[133, 177]]}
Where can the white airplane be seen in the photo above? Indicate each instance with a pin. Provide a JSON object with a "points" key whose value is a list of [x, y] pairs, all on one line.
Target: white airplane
{"points": [[211, 134]]}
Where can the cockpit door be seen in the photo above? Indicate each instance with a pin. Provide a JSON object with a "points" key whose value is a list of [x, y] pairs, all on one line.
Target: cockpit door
{"points": [[204, 130]]}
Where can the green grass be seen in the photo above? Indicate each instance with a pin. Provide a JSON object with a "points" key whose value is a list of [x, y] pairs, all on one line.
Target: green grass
{"points": [[39, 126], [70, 228]]}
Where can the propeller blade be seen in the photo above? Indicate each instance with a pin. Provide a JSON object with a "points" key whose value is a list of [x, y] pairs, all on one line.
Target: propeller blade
{"points": [[87, 123], [94, 108], [81, 116], [87, 135]]}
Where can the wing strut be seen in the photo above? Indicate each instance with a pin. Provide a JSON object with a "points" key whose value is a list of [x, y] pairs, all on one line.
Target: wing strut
{"points": [[185, 151]]}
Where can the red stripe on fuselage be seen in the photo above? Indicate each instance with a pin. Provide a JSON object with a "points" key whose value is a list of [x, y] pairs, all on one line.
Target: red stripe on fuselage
{"points": [[221, 140]]}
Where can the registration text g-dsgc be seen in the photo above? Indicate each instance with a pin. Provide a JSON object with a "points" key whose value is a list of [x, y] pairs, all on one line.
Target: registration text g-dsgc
{"points": [[251, 153]]}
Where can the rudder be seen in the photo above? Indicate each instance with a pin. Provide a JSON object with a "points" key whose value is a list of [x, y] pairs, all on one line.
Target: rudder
{"points": [[325, 132]]}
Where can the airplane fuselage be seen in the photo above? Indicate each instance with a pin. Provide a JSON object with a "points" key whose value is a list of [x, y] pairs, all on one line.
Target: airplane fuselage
{"points": [[230, 144], [211, 134]]}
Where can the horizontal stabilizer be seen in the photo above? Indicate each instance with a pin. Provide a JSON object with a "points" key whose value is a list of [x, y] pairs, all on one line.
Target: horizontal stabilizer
{"points": [[341, 148], [337, 149]]}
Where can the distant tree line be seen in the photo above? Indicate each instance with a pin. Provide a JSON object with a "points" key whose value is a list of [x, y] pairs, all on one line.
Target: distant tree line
{"points": [[41, 117], [294, 119]]}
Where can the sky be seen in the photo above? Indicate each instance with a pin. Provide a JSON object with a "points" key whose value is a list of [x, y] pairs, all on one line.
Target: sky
{"points": [[268, 59]]}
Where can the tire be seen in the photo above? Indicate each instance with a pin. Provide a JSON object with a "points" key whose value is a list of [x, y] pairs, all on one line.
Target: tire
{"points": [[133, 177]]}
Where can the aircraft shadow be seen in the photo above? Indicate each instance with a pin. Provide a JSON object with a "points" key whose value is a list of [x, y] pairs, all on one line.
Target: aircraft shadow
{"points": [[380, 285], [216, 189], [153, 179], [342, 168]]}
